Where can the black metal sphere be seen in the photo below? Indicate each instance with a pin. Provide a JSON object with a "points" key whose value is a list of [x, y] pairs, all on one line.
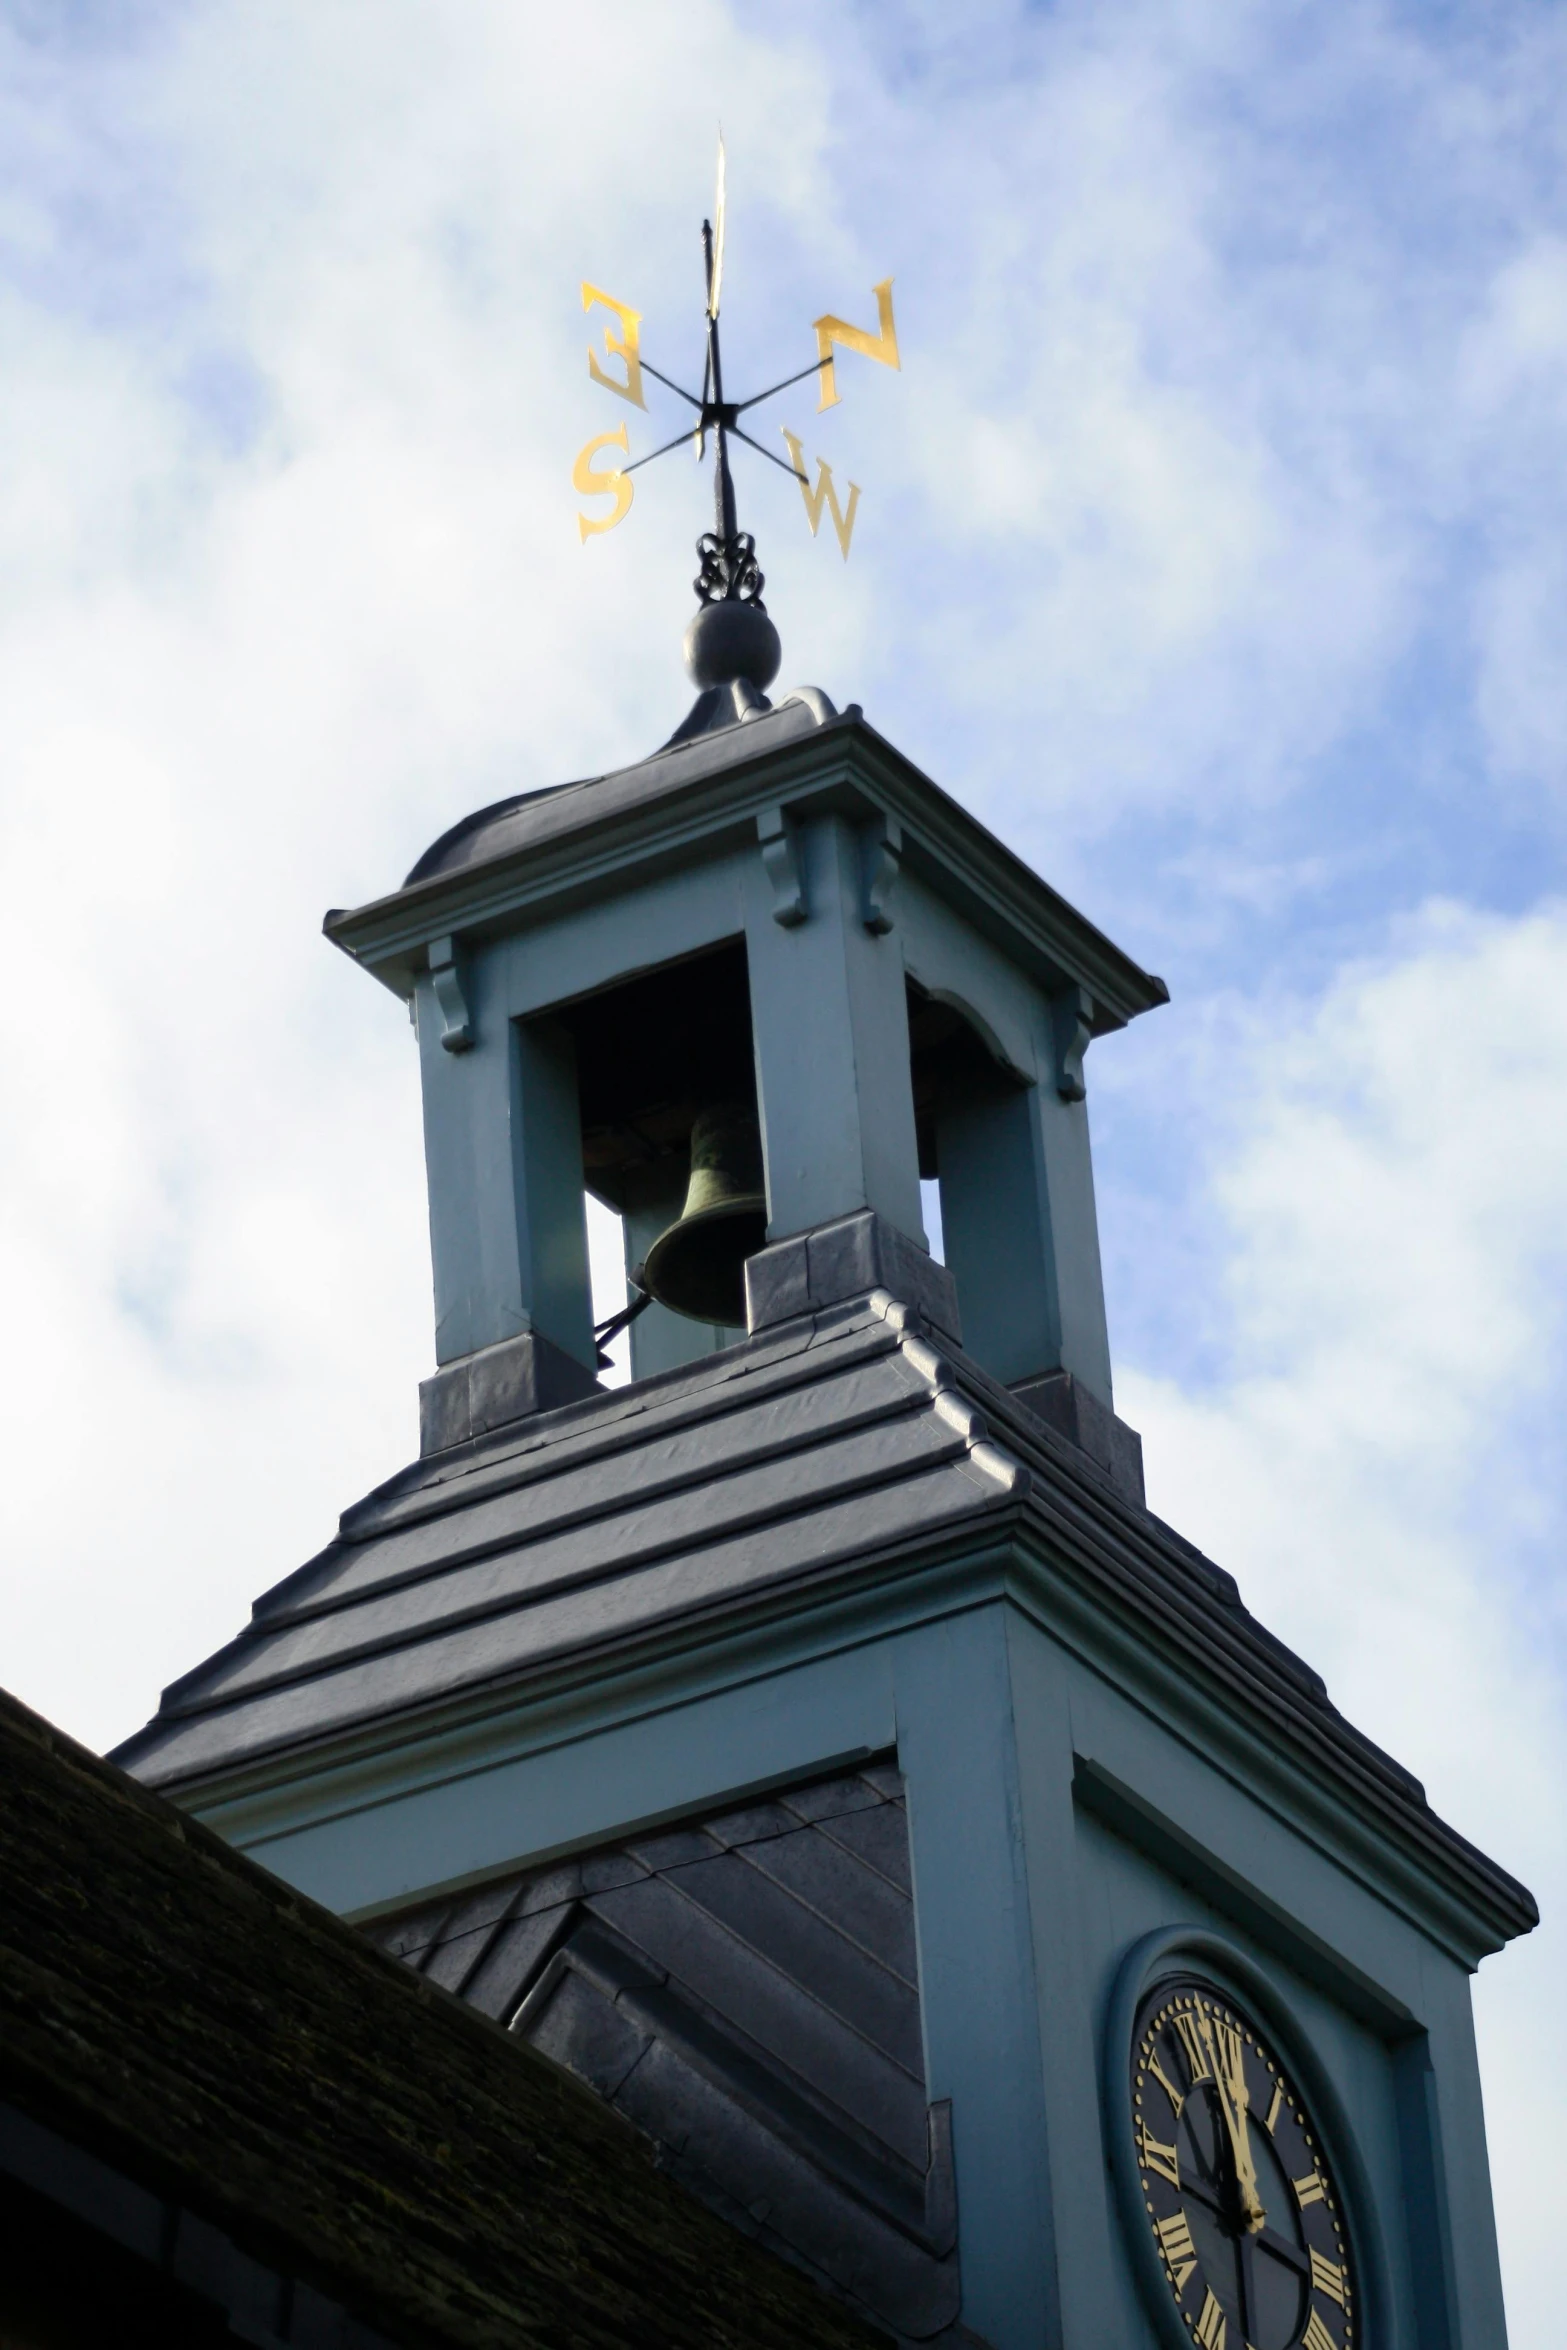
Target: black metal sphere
{"points": [[729, 640]]}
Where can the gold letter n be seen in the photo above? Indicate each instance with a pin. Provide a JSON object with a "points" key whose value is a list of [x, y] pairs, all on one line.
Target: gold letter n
{"points": [[881, 346]]}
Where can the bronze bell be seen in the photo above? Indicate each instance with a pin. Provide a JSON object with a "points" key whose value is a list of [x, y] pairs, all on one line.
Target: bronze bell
{"points": [[697, 1267]]}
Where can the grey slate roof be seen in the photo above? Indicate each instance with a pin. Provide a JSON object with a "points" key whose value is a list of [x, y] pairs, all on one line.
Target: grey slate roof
{"points": [[745, 1989], [755, 1471], [834, 1448], [532, 820]]}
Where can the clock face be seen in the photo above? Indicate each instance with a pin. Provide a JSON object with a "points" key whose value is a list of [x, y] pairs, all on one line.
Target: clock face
{"points": [[1247, 2217]]}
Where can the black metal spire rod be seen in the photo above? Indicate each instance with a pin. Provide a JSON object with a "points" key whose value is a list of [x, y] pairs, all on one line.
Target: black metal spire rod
{"points": [[724, 521], [729, 571], [727, 554]]}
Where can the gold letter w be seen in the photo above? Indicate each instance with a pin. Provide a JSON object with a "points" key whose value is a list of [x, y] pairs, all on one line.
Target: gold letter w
{"points": [[882, 345], [823, 494]]}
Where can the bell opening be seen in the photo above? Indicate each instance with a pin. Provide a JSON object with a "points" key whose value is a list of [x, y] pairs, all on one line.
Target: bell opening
{"points": [[671, 1143], [950, 1062]]}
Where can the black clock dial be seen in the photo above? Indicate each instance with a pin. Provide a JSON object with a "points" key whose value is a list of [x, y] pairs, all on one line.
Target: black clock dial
{"points": [[1246, 2214]]}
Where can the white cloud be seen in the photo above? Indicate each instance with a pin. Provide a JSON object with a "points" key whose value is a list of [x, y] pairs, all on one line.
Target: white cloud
{"points": [[1381, 1466]]}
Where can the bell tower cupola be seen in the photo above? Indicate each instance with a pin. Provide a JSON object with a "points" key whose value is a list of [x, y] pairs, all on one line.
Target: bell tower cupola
{"points": [[748, 991]]}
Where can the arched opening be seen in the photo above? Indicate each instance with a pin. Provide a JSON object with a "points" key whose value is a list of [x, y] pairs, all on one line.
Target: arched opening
{"points": [[653, 1053], [954, 1062]]}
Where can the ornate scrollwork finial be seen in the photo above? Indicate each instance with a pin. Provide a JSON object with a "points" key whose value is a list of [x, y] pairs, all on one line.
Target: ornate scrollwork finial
{"points": [[730, 572]]}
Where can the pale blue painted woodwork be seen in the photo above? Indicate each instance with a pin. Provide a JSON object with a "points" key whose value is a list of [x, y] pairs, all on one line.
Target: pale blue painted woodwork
{"points": [[842, 870], [831, 1033], [1061, 1982], [546, 1787], [630, 923], [1021, 1235], [551, 1202], [503, 1150], [503, 1147], [957, 1748], [1015, 1752], [955, 961], [1069, 1225], [479, 1280]]}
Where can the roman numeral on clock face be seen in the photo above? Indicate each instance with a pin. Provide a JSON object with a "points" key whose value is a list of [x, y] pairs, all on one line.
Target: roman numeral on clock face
{"points": [[1195, 2041], [1175, 2241], [1316, 2335], [1229, 2057], [1158, 2157], [1327, 2277], [1309, 2189], [1166, 2084], [1211, 2327]]}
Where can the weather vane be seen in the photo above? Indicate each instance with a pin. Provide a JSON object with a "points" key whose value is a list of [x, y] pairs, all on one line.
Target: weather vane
{"points": [[729, 570]]}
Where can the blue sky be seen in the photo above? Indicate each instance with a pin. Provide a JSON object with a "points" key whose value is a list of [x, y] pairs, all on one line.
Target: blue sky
{"points": [[1213, 549]]}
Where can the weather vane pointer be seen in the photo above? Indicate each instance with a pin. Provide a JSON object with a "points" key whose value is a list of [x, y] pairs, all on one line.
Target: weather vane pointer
{"points": [[728, 555]]}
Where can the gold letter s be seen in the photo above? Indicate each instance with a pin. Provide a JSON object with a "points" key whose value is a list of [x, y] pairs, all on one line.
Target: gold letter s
{"points": [[823, 494], [882, 345], [626, 345], [612, 482]]}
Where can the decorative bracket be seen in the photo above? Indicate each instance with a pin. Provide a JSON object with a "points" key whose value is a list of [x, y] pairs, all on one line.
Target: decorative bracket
{"points": [[781, 857], [446, 974], [881, 846], [1073, 1014]]}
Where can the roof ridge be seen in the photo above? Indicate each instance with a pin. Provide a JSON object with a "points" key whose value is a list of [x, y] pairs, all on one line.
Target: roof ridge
{"points": [[944, 1380]]}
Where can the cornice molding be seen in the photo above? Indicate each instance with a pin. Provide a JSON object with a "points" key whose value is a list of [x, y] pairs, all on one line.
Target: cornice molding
{"points": [[1112, 1587], [591, 838]]}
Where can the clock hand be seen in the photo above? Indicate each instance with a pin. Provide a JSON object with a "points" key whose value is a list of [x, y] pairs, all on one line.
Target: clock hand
{"points": [[1229, 2074]]}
